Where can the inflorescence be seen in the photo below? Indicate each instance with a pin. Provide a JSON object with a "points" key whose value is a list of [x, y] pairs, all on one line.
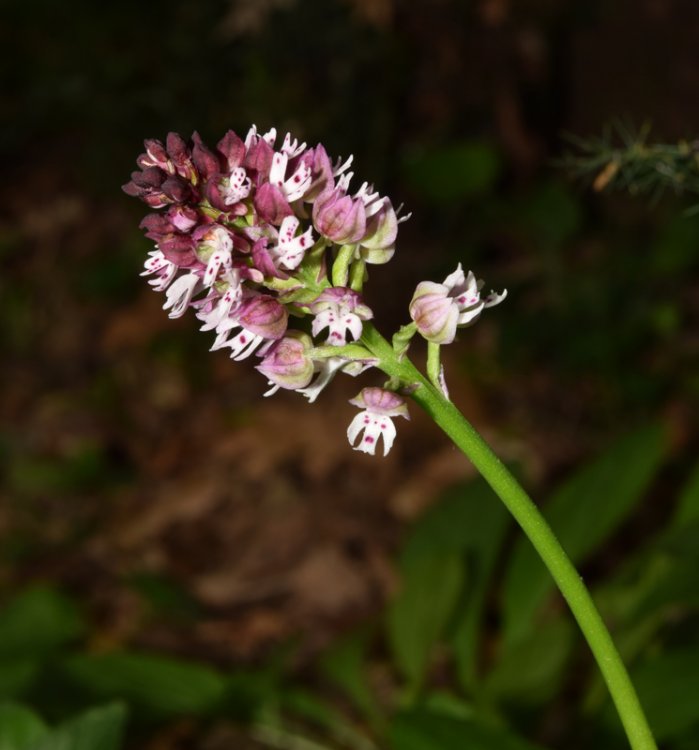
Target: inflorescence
{"points": [[255, 238]]}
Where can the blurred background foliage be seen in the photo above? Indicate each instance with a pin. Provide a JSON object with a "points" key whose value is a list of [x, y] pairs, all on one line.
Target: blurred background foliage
{"points": [[186, 565]]}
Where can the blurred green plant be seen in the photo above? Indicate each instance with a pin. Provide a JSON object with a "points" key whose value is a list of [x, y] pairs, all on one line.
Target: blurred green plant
{"points": [[455, 681], [622, 158]]}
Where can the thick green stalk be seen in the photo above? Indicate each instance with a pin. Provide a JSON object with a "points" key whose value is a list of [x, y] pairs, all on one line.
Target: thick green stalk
{"points": [[528, 516]]}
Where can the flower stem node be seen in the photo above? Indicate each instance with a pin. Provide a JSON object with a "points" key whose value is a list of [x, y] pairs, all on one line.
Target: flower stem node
{"points": [[380, 406]]}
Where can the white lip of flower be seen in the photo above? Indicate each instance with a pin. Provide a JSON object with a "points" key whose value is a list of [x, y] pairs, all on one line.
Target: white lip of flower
{"points": [[466, 292], [341, 166], [299, 182], [371, 200], [327, 369], [270, 136], [163, 269], [242, 345], [338, 320], [375, 423], [222, 245], [292, 148], [290, 249], [236, 187], [344, 181], [179, 294], [232, 296]]}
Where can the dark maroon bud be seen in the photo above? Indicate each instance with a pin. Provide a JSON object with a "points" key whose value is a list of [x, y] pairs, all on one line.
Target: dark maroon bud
{"points": [[178, 249], [232, 148], [176, 189], [178, 152], [259, 157], [271, 204], [204, 160], [155, 156], [155, 226]]}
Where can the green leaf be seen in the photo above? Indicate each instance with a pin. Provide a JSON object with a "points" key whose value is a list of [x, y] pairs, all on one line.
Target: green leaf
{"points": [[17, 676], [418, 616], [38, 621], [532, 668], [452, 173], [19, 727], [344, 664], [97, 729], [446, 564], [423, 730], [155, 683], [583, 513], [688, 503]]}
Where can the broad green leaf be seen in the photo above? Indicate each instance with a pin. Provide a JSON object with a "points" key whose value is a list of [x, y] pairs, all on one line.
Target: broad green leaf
{"points": [[17, 676], [432, 583], [38, 621], [423, 730], [583, 513], [530, 670], [344, 664], [155, 683], [97, 729], [688, 503], [449, 174], [468, 523], [19, 727], [668, 688]]}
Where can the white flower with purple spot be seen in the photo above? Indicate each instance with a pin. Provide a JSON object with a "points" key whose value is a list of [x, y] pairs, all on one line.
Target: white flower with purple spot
{"points": [[295, 186], [341, 311], [380, 407], [179, 294], [236, 187], [163, 270], [290, 249], [215, 249]]}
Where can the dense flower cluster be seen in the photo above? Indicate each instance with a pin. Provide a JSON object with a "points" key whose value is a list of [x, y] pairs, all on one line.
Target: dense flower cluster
{"points": [[253, 235], [244, 235]]}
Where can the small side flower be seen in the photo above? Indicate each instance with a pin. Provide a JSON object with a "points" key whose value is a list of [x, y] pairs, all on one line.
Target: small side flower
{"points": [[439, 309], [379, 406]]}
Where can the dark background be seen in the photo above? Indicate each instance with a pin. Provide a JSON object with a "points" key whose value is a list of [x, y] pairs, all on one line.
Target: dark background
{"points": [[151, 492]]}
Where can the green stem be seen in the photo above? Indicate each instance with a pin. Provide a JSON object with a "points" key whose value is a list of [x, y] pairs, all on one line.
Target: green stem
{"points": [[433, 363], [528, 516]]}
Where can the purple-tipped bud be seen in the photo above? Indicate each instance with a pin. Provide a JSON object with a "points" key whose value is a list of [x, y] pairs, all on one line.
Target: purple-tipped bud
{"points": [[339, 217], [434, 313], [287, 364], [381, 401], [263, 316]]}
